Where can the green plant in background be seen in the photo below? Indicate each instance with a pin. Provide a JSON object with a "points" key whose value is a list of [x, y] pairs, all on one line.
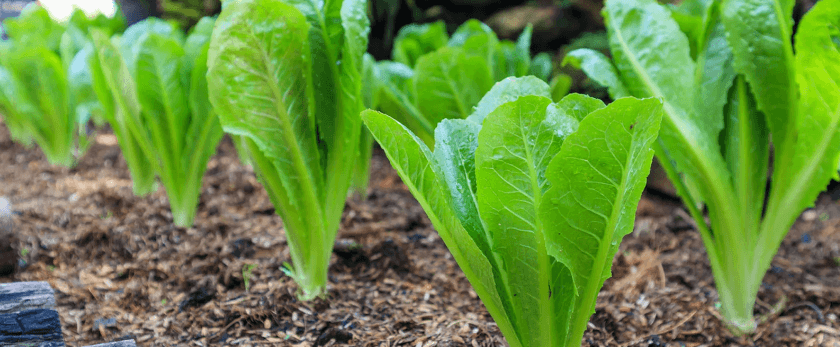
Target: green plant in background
{"points": [[370, 99], [46, 96], [247, 271], [287, 76], [532, 198], [434, 76], [153, 84], [416, 40], [187, 13], [730, 81]]}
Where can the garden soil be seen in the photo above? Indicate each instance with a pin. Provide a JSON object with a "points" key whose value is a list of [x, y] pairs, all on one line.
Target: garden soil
{"points": [[122, 270]]}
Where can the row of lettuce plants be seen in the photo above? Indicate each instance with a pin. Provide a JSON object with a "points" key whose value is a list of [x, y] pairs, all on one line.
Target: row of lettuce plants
{"points": [[530, 190], [531, 196]]}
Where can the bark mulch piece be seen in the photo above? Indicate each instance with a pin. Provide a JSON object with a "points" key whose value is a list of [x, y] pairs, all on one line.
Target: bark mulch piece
{"points": [[116, 258]]}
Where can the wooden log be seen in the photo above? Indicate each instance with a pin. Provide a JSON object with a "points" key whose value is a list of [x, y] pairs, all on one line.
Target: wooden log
{"points": [[27, 317], [20, 296], [123, 343], [8, 239]]}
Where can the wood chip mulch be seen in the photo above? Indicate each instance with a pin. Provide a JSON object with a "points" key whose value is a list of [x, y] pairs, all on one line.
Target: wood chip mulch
{"points": [[121, 269]]}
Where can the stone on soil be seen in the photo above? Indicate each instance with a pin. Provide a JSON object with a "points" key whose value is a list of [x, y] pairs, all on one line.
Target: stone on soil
{"points": [[8, 244]]}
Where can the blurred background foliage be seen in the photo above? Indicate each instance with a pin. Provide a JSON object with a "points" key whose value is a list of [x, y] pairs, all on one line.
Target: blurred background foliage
{"points": [[187, 12], [558, 25], [556, 22]]}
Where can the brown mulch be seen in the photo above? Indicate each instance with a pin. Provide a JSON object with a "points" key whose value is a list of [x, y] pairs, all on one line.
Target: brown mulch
{"points": [[121, 269]]}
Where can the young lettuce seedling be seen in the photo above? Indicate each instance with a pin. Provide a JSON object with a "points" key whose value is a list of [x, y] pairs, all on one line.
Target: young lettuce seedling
{"points": [[287, 76], [154, 85], [730, 81], [532, 198]]}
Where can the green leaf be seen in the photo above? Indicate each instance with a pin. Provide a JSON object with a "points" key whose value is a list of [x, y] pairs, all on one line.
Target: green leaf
{"points": [[132, 37], [324, 43], [416, 40], [818, 123], [598, 68], [560, 86], [596, 181], [413, 162], [470, 29], [371, 84], [476, 38], [343, 146], [197, 40], [578, 106], [396, 98], [515, 145], [202, 137], [692, 16], [117, 92], [715, 75], [72, 41], [163, 96], [34, 27], [522, 60], [652, 56], [15, 107], [541, 66], [449, 83], [642, 35], [759, 32], [371, 81], [454, 157], [506, 91], [80, 81], [746, 148]]}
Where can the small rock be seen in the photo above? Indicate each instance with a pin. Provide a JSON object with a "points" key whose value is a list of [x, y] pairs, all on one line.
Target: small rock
{"points": [[104, 323], [8, 239], [197, 297], [332, 333], [809, 216], [6, 222]]}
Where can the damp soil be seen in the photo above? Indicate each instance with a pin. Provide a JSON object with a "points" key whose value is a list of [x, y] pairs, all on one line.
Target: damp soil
{"points": [[121, 269]]}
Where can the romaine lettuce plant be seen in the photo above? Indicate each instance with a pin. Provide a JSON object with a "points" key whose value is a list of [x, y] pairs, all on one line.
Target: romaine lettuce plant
{"points": [[731, 80], [287, 77], [46, 93], [532, 198], [35, 102], [154, 87], [435, 77]]}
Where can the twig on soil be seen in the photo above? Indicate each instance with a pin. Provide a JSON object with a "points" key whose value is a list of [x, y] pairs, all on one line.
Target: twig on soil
{"points": [[812, 306], [777, 309], [661, 331], [226, 327], [680, 212]]}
